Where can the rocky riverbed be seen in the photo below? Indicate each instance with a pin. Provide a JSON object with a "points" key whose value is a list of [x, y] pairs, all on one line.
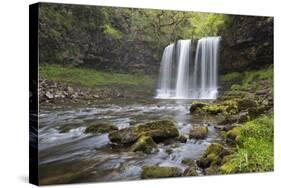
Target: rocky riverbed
{"points": [[119, 137]]}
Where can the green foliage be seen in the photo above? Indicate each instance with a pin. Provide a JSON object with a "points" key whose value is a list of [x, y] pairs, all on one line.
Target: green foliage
{"points": [[112, 32], [230, 76], [242, 81], [91, 78], [69, 34], [203, 24], [255, 149]]}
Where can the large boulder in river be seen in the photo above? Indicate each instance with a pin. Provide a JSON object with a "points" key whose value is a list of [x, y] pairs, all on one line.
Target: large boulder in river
{"points": [[144, 144], [157, 130], [196, 106], [198, 132], [159, 172], [100, 128]]}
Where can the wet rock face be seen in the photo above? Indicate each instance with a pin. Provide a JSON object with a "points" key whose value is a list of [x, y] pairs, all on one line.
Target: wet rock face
{"points": [[159, 172], [158, 130], [247, 43]]}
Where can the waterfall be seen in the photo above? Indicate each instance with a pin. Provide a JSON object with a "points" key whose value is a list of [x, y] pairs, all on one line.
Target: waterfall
{"points": [[165, 77], [205, 68], [182, 81], [193, 80]]}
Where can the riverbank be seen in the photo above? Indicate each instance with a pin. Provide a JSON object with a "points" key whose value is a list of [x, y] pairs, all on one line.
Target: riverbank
{"points": [[59, 84], [245, 119]]}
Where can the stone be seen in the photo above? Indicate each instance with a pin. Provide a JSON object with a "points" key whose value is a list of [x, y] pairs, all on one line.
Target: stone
{"points": [[196, 106], [159, 172], [245, 104], [232, 134], [158, 130], [49, 95], [100, 128], [188, 162], [198, 132], [212, 156], [190, 171], [144, 144]]}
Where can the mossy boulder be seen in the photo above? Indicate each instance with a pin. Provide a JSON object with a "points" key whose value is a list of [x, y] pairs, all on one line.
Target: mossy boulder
{"points": [[144, 144], [100, 128], [214, 109], [212, 156], [197, 106], [198, 132], [246, 103], [228, 120], [211, 170], [233, 134], [190, 171], [206, 108], [157, 130], [159, 172], [228, 166], [254, 112]]}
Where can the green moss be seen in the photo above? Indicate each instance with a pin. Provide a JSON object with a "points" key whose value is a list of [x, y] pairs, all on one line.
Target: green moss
{"points": [[144, 144], [158, 130], [228, 166], [212, 156], [232, 134], [159, 172], [214, 109], [112, 32], [255, 150], [100, 128], [235, 87], [190, 171], [230, 77]]}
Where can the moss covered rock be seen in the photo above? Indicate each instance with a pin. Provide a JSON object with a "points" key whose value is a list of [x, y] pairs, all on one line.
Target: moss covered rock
{"points": [[100, 128], [197, 106], [159, 172], [211, 170], [212, 156], [228, 166], [144, 144], [198, 132], [206, 108], [246, 103], [157, 130], [190, 171], [232, 135]]}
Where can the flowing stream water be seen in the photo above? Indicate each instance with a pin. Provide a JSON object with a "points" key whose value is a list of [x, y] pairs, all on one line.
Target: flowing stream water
{"points": [[74, 156]]}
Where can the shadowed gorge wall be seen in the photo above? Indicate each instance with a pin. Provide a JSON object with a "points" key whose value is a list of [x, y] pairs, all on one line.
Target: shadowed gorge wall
{"points": [[247, 43]]}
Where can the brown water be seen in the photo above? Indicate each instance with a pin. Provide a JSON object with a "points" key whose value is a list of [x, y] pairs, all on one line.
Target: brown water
{"points": [[74, 156]]}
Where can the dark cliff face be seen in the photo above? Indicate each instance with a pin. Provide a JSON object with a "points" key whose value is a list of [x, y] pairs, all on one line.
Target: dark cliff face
{"points": [[247, 43]]}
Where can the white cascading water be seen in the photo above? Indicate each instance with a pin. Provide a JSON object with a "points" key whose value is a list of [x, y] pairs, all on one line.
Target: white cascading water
{"points": [[165, 77], [184, 61], [196, 80], [205, 68]]}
